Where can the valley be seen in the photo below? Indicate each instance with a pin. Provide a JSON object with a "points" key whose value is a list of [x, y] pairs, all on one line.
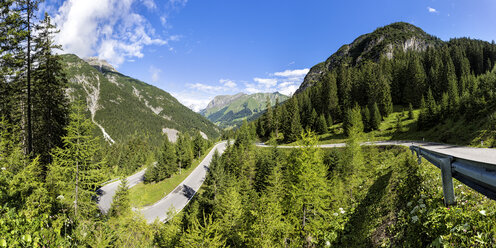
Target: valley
{"points": [[318, 125]]}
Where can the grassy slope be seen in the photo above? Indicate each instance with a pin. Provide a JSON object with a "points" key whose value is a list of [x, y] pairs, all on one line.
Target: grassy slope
{"points": [[146, 194], [458, 132]]}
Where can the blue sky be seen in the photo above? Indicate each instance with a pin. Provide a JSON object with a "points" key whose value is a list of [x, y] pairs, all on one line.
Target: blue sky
{"points": [[196, 49]]}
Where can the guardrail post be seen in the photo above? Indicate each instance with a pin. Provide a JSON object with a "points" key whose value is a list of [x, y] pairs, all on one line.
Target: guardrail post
{"points": [[448, 191]]}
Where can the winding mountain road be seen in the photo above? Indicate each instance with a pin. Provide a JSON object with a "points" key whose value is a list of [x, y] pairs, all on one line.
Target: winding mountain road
{"points": [[178, 198], [185, 191], [485, 155]]}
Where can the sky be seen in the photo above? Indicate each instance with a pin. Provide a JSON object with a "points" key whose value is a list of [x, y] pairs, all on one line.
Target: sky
{"points": [[197, 49]]}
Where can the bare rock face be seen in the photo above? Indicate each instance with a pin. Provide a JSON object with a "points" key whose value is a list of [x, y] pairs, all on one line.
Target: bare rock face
{"points": [[382, 42], [100, 65]]}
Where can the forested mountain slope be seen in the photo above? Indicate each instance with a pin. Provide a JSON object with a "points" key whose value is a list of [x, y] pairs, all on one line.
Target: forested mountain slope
{"points": [[398, 64], [122, 106], [229, 111]]}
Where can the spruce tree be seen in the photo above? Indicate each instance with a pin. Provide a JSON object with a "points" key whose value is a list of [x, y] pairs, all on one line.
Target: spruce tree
{"points": [[353, 121], [376, 117], [50, 105], [321, 125], [121, 204], [366, 119], [269, 118], [292, 127], [410, 111], [329, 94], [167, 161], [184, 150]]}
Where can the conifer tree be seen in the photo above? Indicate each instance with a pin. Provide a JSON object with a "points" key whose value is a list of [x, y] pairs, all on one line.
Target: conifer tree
{"points": [[415, 85], [121, 204], [75, 173], [353, 121], [199, 144], [50, 105], [184, 150], [366, 119], [307, 191], [167, 161], [376, 117], [292, 126], [329, 94], [269, 118], [410, 111], [321, 125]]}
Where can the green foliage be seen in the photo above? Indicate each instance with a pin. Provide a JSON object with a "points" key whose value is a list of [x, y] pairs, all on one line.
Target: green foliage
{"points": [[184, 150], [74, 174], [166, 165], [120, 204], [353, 124], [128, 106]]}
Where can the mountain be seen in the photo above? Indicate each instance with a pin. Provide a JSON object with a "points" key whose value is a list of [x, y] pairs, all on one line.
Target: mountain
{"points": [[230, 110], [384, 41], [121, 106]]}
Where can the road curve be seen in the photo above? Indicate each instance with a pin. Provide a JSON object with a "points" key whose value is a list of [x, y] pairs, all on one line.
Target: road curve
{"points": [[485, 155], [107, 191], [183, 193]]}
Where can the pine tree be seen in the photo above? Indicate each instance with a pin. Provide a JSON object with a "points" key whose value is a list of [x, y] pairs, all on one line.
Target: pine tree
{"points": [[329, 94], [184, 150], [353, 123], [269, 118], [415, 86], [75, 173], [28, 9], [50, 105], [366, 119], [121, 204], [292, 127], [321, 125], [312, 122], [199, 144], [376, 117], [203, 235], [167, 161], [410, 111]]}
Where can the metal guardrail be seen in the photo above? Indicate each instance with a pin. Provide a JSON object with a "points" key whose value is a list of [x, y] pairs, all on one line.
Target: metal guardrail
{"points": [[477, 175]]}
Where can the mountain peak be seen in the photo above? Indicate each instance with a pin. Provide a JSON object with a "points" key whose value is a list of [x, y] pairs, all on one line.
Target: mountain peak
{"points": [[382, 42], [100, 64]]}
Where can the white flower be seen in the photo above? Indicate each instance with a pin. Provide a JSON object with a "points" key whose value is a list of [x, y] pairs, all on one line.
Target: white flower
{"points": [[341, 210], [3, 168], [335, 214], [328, 243], [414, 219], [483, 212], [60, 197]]}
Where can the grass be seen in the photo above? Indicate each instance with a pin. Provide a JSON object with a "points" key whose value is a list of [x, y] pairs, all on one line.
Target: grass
{"points": [[457, 132], [143, 195]]}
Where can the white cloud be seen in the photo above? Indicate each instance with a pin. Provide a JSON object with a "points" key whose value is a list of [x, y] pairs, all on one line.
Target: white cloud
{"points": [[192, 101], [155, 73], [109, 29], [267, 82], [150, 4], [228, 83], [293, 73], [432, 10]]}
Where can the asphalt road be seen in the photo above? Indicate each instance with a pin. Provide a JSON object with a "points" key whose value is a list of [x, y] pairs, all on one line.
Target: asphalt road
{"points": [[485, 155], [107, 192], [183, 193], [178, 198]]}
